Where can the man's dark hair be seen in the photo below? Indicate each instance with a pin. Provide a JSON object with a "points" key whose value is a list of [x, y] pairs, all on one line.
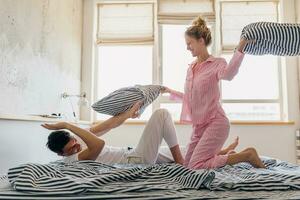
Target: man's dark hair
{"points": [[57, 140]]}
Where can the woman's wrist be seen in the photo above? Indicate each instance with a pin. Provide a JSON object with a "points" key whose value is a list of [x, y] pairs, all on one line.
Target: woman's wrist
{"points": [[242, 44]]}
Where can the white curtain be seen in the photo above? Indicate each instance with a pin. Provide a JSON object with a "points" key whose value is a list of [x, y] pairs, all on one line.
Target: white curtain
{"points": [[125, 22], [236, 15], [172, 11]]}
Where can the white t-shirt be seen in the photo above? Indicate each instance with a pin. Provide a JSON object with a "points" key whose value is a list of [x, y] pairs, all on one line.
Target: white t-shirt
{"points": [[108, 155]]}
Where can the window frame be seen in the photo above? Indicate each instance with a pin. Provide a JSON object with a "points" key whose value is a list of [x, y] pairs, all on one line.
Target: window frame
{"points": [[221, 49], [279, 100]]}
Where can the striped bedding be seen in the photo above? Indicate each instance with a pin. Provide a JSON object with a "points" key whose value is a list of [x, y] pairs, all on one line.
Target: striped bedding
{"points": [[93, 177], [281, 39], [122, 99], [90, 180], [279, 175]]}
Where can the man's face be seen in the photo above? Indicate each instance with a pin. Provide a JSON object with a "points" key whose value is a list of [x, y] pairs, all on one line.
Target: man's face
{"points": [[71, 147]]}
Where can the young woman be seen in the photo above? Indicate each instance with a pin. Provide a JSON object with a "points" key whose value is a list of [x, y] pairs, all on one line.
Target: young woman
{"points": [[201, 103]]}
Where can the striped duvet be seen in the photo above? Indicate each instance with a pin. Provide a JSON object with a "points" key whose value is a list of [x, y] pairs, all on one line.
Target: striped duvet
{"points": [[92, 177], [89, 180]]}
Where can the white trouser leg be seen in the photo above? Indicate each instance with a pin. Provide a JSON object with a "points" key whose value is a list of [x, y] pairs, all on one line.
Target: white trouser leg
{"points": [[160, 126], [165, 155]]}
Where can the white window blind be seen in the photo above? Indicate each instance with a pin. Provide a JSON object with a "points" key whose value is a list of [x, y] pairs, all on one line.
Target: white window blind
{"points": [[125, 23], [170, 11], [236, 15]]}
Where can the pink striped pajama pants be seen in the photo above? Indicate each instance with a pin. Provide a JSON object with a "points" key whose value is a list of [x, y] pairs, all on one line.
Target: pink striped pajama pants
{"points": [[206, 142]]}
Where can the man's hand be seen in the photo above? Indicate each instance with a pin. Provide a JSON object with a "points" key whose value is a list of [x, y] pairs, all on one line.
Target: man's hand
{"points": [[56, 126], [133, 112]]}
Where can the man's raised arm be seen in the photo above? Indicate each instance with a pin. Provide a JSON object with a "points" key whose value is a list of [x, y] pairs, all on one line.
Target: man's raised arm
{"points": [[113, 122], [94, 144]]}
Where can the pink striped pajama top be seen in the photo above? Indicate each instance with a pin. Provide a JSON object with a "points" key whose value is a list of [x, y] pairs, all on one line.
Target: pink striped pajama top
{"points": [[201, 97]]}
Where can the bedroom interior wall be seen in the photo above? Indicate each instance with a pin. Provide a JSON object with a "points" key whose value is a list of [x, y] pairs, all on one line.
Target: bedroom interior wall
{"points": [[40, 45]]}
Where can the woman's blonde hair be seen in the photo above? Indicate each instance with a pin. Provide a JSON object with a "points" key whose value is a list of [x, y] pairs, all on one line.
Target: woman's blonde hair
{"points": [[199, 30]]}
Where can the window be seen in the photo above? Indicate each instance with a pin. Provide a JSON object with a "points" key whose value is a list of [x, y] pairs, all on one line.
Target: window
{"points": [[119, 67], [235, 15], [175, 57], [175, 60], [125, 47], [121, 23], [254, 94]]}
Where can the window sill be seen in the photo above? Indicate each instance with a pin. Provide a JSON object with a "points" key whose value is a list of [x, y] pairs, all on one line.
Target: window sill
{"points": [[244, 123], [137, 122], [37, 119], [279, 123]]}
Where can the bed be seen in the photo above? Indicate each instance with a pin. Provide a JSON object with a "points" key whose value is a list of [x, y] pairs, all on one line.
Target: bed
{"points": [[91, 180]]}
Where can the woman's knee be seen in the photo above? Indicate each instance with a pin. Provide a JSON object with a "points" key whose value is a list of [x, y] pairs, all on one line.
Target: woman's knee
{"points": [[250, 149], [249, 153], [162, 112], [231, 152]]}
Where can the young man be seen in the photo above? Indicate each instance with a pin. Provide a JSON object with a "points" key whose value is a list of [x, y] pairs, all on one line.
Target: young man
{"points": [[159, 127], [148, 151]]}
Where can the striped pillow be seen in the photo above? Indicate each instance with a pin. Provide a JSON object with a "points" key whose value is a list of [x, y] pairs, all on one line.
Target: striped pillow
{"points": [[123, 99], [281, 39]]}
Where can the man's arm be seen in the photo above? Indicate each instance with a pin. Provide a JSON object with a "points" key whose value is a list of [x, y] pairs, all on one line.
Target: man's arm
{"points": [[94, 144], [113, 122]]}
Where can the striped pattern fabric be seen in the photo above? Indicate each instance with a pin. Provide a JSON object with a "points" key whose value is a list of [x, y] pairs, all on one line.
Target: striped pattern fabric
{"points": [[123, 99], [95, 178], [280, 180], [243, 177], [4, 177], [183, 194], [201, 97], [281, 39], [4, 183]]}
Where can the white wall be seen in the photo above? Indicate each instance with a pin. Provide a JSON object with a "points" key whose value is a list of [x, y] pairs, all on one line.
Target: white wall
{"points": [[40, 58], [297, 10], [40, 45], [23, 142]]}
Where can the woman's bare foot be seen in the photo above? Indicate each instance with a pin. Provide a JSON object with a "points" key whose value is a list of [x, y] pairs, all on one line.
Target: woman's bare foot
{"points": [[230, 148], [233, 145]]}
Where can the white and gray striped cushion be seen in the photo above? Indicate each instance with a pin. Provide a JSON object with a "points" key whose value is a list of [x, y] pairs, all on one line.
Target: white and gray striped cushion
{"points": [[123, 99], [281, 39]]}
